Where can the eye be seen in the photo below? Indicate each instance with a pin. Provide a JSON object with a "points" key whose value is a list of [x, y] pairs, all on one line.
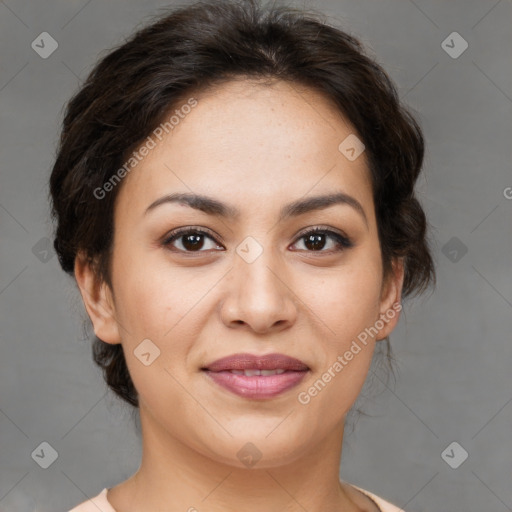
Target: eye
{"points": [[315, 240], [190, 240]]}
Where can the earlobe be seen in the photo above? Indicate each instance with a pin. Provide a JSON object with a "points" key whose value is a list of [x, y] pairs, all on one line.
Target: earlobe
{"points": [[98, 301], [390, 305]]}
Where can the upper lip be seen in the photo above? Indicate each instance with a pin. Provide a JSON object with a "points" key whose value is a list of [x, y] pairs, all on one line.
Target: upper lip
{"points": [[256, 362]]}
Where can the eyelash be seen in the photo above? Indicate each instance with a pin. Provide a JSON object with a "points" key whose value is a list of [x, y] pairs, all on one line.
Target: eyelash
{"points": [[343, 241]]}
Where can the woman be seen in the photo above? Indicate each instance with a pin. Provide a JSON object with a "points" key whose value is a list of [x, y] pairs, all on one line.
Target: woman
{"points": [[234, 195]]}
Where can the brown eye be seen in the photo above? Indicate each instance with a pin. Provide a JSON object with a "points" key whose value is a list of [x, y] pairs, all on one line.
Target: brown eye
{"points": [[190, 240], [317, 239]]}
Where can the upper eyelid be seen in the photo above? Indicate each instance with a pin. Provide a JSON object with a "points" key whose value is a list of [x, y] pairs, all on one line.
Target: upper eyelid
{"points": [[320, 228], [179, 232]]}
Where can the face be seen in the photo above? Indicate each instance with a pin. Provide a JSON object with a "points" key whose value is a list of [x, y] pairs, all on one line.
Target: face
{"points": [[244, 273]]}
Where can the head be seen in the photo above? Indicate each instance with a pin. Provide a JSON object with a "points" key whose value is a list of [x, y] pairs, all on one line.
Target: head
{"points": [[268, 124]]}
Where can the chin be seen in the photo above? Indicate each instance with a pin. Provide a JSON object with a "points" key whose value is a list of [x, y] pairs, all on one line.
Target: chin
{"points": [[260, 448]]}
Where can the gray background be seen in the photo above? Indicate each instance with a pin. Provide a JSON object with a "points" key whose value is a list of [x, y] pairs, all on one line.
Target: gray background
{"points": [[453, 346]]}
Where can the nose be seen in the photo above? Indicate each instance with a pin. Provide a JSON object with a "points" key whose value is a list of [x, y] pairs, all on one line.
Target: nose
{"points": [[259, 296]]}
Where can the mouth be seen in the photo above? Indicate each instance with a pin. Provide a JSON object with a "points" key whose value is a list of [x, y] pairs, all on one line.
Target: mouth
{"points": [[256, 376]]}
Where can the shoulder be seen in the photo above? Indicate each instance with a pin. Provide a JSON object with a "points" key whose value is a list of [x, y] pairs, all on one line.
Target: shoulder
{"points": [[385, 506], [97, 504]]}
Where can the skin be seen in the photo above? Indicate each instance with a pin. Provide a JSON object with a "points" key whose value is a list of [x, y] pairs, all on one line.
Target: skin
{"points": [[256, 148]]}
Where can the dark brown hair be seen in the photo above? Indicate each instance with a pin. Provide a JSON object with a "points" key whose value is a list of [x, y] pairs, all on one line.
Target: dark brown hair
{"points": [[132, 89]]}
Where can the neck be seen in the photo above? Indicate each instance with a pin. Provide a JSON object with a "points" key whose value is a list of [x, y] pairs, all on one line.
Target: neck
{"points": [[174, 477]]}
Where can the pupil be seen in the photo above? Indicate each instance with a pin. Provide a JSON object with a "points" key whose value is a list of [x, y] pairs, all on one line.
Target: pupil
{"points": [[315, 241], [193, 242]]}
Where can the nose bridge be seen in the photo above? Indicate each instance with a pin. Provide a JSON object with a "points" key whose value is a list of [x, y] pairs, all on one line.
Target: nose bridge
{"points": [[257, 265], [257, 294]]}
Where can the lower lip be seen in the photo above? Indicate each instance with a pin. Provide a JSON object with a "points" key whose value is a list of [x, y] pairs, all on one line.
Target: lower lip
{"points": [[257, 386]]}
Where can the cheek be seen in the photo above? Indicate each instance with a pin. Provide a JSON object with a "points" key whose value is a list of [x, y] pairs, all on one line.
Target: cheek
{"points": [[348, 306], [161, 303], [137, 306], [150, 298], [347, 300], [149, 305]]}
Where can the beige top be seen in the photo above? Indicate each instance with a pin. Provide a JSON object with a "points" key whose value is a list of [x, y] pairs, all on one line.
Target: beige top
{"points": [[100, 503]]}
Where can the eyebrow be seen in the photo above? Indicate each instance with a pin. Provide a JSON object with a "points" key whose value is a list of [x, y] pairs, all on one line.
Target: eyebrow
{"points": [[212, 206]]}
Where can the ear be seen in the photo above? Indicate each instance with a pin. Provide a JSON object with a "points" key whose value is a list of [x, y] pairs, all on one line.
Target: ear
{"points": [[98, 301], [390, 301]]}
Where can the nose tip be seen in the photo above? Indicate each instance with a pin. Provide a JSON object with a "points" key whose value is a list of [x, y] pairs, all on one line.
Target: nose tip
{"points": [[258, 297]]}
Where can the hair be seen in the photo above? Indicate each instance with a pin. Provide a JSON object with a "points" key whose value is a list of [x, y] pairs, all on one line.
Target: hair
{"points": [[130, 91]]}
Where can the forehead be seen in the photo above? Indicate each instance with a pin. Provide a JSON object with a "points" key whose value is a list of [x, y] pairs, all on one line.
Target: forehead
{"points": [[245, 138]]}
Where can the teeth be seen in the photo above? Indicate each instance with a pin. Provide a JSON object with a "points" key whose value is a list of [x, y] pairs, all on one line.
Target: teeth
{"points": [[272, 372], [252, 373]]}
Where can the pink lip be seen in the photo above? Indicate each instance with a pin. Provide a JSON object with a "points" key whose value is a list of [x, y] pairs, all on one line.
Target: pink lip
{"points": [[257, 386]]}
